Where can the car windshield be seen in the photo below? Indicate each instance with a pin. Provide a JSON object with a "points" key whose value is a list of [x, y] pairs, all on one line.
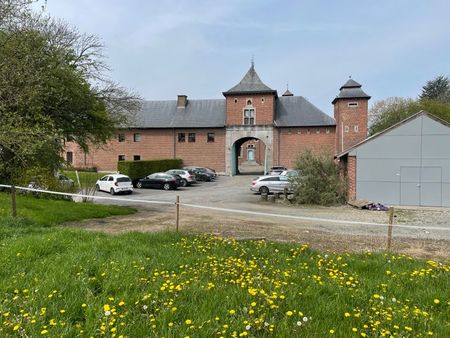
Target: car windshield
{"points": [[123, 179]]}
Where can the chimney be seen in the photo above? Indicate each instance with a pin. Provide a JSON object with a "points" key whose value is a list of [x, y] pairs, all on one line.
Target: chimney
{"points": [[182, 101]]}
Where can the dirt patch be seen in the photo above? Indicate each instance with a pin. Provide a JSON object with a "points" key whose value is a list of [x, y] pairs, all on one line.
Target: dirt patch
{"points": [[244, 227]]}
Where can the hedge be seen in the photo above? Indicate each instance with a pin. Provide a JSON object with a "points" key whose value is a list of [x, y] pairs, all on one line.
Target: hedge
{"points": [[140, 169]]}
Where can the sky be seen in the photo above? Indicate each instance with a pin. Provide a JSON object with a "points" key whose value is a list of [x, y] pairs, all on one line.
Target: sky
{"points": [[201, 48]]}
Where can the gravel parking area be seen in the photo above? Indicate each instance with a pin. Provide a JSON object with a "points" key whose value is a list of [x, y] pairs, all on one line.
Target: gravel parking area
{"points": [[326, 227]]}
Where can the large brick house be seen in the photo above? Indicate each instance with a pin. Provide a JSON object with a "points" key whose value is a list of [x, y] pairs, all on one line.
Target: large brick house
{"points": [[251, 124]]}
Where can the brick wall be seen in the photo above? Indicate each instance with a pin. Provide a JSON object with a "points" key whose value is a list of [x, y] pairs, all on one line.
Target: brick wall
{"points": [[351, 174], [290, 142], [258, 151], [347, 118], [262, 103], [156, 144]]}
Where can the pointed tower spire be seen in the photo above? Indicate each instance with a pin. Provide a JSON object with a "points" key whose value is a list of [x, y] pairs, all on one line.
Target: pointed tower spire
{"points": [[250, 83]]}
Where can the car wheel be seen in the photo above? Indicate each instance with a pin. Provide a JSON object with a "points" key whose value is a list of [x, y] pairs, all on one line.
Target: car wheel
{"points": [[139, 185], [184, 182], [264, 190], [166, 186], [97, 187], [112, 192]]}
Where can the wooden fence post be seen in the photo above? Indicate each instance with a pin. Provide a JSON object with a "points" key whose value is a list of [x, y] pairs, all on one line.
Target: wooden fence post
{"points": [[391, 222], [13, 201], [178, 212]]}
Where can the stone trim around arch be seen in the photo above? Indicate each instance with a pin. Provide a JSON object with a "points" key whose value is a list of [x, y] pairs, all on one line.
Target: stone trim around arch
{"points": [[235, 133]]}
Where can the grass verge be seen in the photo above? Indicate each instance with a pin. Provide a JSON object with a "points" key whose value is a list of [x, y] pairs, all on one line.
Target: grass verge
{"points": [[67, 283], [44, 212]]}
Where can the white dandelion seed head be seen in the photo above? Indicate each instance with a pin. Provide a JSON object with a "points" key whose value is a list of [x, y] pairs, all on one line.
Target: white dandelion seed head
{"points": [[299, 323], [107, 313], [266, 324], [305, 319], [248, 327], [145, 307], [393, 299]]}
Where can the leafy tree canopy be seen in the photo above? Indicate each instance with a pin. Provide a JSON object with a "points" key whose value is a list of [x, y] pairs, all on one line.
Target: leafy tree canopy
{"points": [[53, 89]]}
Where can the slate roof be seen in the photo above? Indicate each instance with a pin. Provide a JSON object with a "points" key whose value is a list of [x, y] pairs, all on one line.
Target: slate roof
{"points": [[351, 90], [295, 111], [250, 83], [165, 114]]}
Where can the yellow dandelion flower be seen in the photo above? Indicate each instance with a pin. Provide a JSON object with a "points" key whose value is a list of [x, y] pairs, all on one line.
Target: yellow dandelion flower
{"points": [[436, 301], [347, 314], [188, 322], [106, 307], [16, 327], [289, 313], [231, 312], [332, 331], [44, 331]]}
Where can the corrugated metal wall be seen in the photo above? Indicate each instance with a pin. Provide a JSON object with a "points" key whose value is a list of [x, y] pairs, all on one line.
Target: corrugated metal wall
{"points": [[408, 165]]}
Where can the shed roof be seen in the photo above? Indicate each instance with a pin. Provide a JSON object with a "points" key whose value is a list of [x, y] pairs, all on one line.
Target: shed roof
{"points": [[412, 117]]}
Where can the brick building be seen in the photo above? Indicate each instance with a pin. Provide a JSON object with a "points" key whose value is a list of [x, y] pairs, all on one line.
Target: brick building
{"points": [[251, 124]]}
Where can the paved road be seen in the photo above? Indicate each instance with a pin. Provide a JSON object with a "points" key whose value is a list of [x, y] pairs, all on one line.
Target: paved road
{"points": [[234, 193]]}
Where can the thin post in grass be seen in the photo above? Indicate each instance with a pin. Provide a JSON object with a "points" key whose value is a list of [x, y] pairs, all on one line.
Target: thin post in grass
{"points": [[391, 222], [13, 201], [177, 212]]}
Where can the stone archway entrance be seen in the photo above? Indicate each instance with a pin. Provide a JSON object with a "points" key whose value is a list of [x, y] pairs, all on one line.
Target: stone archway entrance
{"points": [[261, 139], [250, 156]]}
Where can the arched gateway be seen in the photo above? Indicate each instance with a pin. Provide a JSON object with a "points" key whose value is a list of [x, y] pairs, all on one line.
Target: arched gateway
{"points": [[237, 136]]}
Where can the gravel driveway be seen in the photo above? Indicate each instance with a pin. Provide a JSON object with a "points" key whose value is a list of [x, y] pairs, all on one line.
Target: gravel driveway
{"points": [[234, 193]]}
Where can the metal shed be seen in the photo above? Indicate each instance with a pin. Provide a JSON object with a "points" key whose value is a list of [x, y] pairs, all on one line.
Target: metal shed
{"points": [[407, 164]]}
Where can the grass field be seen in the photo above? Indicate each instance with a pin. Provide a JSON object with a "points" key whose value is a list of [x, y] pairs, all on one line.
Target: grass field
{"points": [[87, 179], [44, 212], [66, 283]]}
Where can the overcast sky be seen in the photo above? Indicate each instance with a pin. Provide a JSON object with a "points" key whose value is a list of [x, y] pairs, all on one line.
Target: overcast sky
{"points": [[202, 48]]}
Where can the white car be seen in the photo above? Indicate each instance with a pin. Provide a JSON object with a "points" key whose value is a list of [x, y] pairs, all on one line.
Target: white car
{"points": [[114, 183], [270, 183]]}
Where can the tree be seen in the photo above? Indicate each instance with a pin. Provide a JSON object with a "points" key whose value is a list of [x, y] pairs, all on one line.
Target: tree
{"points": [[386, 113], [53, 88], [319, 181], [437, 89]]}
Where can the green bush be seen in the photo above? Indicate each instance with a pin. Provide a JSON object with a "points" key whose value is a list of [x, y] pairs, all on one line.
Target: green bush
{"points": [[320, 181], [139, 169]]}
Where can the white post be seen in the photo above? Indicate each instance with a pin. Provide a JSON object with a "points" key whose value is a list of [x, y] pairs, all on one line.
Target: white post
{"points": [[78, 179], [265, 159]]}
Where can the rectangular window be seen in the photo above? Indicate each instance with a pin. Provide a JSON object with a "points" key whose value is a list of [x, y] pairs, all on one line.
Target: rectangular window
{"points": [[191, 137], [353, 104], [211, 137], [137, 137], [121, 137], [121, 157], [69, 157], [136, 157], [249, 116], [181, 137]]}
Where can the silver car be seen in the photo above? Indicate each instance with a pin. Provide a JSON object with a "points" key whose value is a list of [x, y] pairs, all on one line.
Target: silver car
{"points": [[186, 177], [270, 183]]}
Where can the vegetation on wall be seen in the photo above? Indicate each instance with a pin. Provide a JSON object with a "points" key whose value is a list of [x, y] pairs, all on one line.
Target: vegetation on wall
{"points": [[320, 181]]}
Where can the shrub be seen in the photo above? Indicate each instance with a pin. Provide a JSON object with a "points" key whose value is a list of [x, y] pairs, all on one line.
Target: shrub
{"points": [[320, 181], [139, 169]]}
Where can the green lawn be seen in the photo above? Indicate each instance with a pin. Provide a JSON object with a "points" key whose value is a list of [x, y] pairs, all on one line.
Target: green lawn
{"points": [[46, 212], [87, 179], [67, 283]]}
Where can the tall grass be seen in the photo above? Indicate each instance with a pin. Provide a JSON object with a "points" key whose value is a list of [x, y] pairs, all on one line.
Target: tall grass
{"points": [[67, 283]]}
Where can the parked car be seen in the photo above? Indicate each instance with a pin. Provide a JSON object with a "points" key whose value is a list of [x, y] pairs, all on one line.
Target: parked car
{"points": [[277, 170], [201, 174], [187, 178], [212, 171], [159, 181], [114, 184], [290, 173], [270, 183]]}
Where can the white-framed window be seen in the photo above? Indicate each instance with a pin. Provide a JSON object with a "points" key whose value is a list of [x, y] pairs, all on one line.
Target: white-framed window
{"points": [[327, 130], [346, 129], [352, 104], [249, 116], [356, 129], [137, 137]]}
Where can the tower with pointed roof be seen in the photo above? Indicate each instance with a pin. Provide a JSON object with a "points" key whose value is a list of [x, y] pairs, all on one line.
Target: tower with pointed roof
{"points": [[250, 102], [351, 115]]}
